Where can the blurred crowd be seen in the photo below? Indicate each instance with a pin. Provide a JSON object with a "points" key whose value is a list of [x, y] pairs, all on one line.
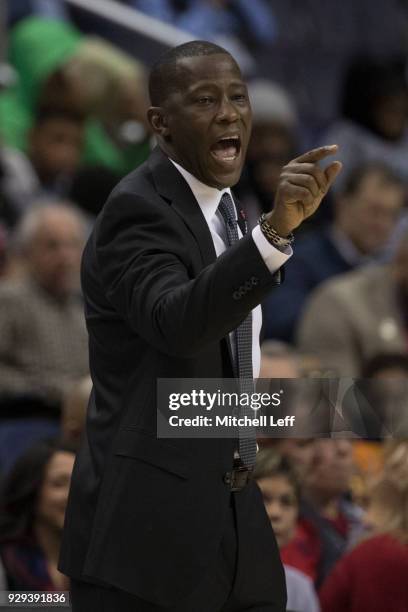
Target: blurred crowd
{"points": [[72, 123]]}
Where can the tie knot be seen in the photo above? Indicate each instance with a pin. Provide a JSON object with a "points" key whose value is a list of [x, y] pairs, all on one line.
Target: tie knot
{"points": [[227, 208]]}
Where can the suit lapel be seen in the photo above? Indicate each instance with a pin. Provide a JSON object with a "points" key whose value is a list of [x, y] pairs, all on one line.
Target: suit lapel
{"points": [[172, 186]]}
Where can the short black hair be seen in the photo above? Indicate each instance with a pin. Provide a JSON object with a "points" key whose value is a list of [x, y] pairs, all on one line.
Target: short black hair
{"points": [[163, 75], [356, 176]]}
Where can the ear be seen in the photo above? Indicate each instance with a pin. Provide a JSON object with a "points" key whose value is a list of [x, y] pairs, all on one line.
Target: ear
{"points": [[158, 122]]}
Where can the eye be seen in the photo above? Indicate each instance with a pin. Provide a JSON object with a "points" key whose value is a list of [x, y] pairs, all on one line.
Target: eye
{"points": [[288, 501], [239, 98], [203, 100]]}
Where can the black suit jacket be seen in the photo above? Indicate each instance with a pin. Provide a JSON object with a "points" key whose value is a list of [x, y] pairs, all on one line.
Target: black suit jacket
{"points": [[147, 514]]}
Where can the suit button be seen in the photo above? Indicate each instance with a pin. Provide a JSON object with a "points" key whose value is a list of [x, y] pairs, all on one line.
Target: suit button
{"points": [[248, 286], [254, 280], [236, 295], [227, 478]]}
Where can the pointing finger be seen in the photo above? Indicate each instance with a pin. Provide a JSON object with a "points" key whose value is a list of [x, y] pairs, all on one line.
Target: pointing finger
{"points": [[316, 155]]}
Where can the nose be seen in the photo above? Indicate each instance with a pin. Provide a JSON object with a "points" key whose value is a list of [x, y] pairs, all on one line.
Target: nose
{"points": [[68, 252], [274, 512], [227, 111]]}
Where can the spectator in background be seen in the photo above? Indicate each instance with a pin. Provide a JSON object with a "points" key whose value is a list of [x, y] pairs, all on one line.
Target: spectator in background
{"points": [[279, 360], [324, 507], [272, 145], [55, 146], [365, 215], [54, 149], [390, 371], [374, 119], [83, 74], [303, 549], [32, 508], [42, 77], [389, 392], [43, 340], [281, 495], [74, 410], [297, 451], [373, 576], [396, 460], [350, 319]]}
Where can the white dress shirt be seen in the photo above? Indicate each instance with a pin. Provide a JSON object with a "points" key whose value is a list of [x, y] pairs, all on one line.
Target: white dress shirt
{"points": [[208, 199]]}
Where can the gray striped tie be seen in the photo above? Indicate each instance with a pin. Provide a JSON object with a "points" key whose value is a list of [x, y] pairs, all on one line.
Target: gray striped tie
{"points": [[243, 347]]}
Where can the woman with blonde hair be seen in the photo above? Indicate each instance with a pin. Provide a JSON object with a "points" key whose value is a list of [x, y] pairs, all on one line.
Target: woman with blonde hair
{"points": [[373, 576]]}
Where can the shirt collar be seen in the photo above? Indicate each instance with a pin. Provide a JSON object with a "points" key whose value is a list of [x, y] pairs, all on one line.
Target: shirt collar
{"points": [[207, 197]]}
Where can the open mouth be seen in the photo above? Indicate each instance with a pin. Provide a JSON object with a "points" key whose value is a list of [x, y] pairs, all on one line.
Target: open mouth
{"points": [[227, 149]]}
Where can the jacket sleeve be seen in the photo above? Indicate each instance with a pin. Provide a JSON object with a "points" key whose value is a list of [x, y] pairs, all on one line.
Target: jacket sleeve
{"points": [[144, 267]]}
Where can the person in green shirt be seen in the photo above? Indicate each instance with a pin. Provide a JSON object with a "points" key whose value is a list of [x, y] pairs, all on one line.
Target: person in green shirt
{"points": [[58, 66]]}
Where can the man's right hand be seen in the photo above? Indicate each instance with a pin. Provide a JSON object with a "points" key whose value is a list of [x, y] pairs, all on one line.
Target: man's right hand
{"points": [[301, 188]]}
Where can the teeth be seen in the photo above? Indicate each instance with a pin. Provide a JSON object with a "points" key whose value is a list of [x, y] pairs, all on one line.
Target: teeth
{"points": [[229, 151]]}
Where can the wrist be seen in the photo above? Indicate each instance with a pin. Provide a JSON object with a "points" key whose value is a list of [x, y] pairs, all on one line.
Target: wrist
{"points": [[277, 240], [280, 227]]}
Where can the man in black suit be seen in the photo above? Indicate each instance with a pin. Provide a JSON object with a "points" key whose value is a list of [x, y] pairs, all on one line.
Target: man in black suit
{"points": [[172, 289]]}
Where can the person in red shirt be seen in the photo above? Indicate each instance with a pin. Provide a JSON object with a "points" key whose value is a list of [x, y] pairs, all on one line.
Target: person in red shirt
{"points": [[373, 576], [299, 549], [325, 504]]}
